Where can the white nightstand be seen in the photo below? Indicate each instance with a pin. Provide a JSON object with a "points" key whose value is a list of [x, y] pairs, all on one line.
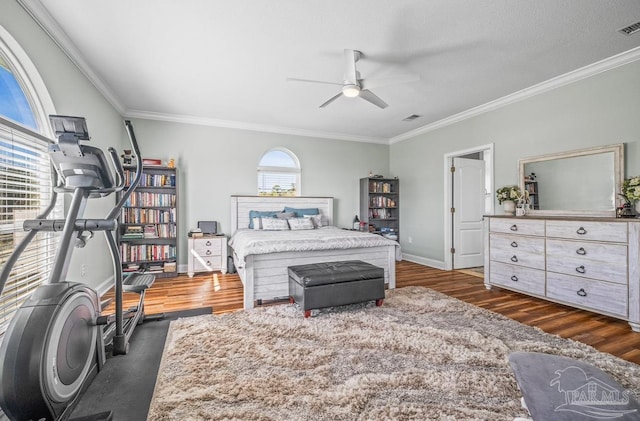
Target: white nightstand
{"points": [[207, 254]]}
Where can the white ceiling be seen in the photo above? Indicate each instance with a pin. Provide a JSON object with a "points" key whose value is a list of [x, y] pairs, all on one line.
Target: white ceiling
{"points": [[225, 63]]}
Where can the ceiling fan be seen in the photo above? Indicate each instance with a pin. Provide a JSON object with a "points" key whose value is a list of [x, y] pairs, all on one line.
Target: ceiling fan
{"points": [[355, 86]]}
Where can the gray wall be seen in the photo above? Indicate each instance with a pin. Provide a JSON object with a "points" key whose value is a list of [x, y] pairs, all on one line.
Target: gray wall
{"points": [[600, 110], [72, 94], [215, 163]]}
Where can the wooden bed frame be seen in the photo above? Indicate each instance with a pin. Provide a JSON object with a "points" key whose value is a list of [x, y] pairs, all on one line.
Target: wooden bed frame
{"points": [[265, 276]]}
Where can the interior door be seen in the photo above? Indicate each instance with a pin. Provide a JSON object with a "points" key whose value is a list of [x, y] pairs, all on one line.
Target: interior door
{"points": [[468, 202]]}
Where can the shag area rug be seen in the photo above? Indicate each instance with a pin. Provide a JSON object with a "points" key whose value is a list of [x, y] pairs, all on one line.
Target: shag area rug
{"points": [[421, 356]]}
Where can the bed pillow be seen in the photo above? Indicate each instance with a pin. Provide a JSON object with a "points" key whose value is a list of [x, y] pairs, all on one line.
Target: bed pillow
{"points": [[274, 224], [315, 219], [301, 224], [300, 212], [261, 214], [286, 215]]}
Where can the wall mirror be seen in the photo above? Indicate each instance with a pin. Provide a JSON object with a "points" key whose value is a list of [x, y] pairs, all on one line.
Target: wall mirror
{"points": [[579, 182]]}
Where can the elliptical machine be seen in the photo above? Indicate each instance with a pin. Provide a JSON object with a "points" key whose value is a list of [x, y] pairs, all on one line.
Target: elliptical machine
{"points": [[54, 345]]}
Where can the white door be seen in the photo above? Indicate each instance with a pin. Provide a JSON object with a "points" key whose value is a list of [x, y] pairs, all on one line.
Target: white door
{"points": [[468, 202]]}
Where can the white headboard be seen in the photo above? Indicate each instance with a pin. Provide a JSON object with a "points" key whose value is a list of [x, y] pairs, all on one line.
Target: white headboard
{"points": [[241, 205]]}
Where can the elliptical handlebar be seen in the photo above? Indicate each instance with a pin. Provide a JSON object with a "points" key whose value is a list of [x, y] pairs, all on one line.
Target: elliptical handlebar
{"points": [[134, 183], [117, 165]]}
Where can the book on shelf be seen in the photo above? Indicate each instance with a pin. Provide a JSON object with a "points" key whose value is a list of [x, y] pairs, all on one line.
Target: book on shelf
{"points": [[154, 162], [133, 232], [131, 268], [150, 231]]}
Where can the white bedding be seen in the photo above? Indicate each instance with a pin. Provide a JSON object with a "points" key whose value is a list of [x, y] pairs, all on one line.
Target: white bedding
{"points": [[246, 242]]}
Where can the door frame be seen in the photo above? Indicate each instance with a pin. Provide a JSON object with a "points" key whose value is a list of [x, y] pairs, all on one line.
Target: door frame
{"points": [[488, 157]]}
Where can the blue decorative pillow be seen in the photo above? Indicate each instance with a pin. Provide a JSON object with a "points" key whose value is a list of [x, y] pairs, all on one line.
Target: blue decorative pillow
{"points": [[302, 212], [261, 214]]}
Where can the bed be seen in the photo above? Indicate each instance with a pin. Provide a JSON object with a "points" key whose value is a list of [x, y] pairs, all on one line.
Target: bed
{"points": [[262, 257]]}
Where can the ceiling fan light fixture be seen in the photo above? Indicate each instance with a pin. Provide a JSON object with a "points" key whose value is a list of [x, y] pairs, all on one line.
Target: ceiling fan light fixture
{"points": [[351, 91]]}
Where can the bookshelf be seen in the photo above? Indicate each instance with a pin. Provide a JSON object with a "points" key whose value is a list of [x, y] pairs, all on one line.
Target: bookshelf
{"points": [[148, 223], [532, 188], [379, 201]]}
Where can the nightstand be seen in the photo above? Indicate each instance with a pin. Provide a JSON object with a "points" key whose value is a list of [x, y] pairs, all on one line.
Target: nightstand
{"points": [[207, 254]]}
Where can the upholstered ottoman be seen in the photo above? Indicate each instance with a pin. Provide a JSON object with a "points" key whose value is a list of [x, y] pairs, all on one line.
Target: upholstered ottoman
{"points": [[329, 284]]}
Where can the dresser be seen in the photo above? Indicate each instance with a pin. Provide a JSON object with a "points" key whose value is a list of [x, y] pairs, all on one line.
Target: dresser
{"points": [[588, 263], [207, 254]]}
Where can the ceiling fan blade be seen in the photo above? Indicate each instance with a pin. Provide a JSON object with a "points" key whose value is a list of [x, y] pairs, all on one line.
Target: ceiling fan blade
{"points": [[330, 100], [293, 79], [373, 98], [386, 81], [350, 58]]}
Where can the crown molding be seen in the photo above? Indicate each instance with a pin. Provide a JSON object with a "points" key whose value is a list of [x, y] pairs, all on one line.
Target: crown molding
{"points": [[548, 85], [228, 124], [43, 18]]}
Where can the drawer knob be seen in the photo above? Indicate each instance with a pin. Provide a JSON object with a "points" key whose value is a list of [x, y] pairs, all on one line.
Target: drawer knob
{"points": [[514, 258], [514, 244], [581, 231], [208, 253], [514, 278], [514, 227], [208, 263], [581, 251], [580, 269], [581, 292], [208, 243]]}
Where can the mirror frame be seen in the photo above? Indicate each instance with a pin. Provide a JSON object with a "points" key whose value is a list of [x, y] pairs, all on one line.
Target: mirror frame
{"points": [[618, 169]]}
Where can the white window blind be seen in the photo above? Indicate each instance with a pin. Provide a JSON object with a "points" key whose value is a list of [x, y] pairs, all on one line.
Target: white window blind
{"points": [[25, 192]]}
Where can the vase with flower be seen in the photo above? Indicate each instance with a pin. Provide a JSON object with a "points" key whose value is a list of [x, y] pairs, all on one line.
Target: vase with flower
{"points": [[631, 196], [507, 197]]}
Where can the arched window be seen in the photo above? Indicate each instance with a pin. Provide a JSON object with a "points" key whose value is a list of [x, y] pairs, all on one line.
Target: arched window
{"points": [[25, 173], [279, 173], [13, 102]]}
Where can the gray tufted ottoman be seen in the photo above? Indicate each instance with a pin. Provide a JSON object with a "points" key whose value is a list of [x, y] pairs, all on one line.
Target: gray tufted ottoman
{"points": [[329, 284]]}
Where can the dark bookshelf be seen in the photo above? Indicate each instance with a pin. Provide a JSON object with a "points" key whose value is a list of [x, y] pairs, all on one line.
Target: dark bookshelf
{"points": [[148, 223], [379, 205]]}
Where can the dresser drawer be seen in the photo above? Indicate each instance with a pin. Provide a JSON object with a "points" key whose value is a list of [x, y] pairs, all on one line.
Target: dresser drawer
{"points": [[208, 247], [517, 226], [531, 281], [589, 294], [603, 261], [517, 250], [207, 263], [588, 230]]}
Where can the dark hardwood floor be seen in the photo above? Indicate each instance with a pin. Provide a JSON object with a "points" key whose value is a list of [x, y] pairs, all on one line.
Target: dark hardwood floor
{"points": [[224, 294]]}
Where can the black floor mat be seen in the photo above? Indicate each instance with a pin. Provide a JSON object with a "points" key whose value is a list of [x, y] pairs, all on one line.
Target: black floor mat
{"points": [[125, 385]]}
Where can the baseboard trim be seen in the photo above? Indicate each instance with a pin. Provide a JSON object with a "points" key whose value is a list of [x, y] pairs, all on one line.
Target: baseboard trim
{"points": [[105, 286], [438, 264]]}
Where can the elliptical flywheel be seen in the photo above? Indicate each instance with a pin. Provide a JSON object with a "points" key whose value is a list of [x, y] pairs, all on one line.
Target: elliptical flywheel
{"points": [[52, 342]]}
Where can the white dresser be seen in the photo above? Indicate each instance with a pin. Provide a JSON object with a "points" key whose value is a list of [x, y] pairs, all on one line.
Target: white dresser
{"points": [[207, 254], [589, 263]]}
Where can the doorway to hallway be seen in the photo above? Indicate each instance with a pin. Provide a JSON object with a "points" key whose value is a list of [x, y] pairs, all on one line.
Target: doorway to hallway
{"points": [[468, 196]]}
